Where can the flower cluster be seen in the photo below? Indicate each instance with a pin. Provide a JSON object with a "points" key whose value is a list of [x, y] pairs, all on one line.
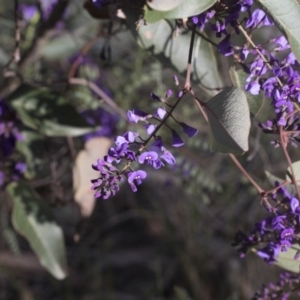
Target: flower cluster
{"points": [[10, 169], [286, 285], [272, 72], [133, 148], [278, 232]]}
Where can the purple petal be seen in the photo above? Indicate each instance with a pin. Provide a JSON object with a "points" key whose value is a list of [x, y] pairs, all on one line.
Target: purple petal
{"points": [[150, 155], [137, 175], [176, 139], [150, 128], [188, 130], [161, 112], [168, 157]]}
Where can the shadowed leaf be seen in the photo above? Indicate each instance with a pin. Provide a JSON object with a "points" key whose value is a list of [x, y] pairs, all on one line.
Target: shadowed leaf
{"points": [[47, 112], [229, 119], [255, 102], [33, 219], [286, 15], [173, 52]]}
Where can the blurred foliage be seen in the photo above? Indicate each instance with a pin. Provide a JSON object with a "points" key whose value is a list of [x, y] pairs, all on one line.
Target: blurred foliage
{"points": [[170, 240]]}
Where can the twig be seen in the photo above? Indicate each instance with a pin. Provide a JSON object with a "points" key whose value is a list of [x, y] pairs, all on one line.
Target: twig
{"points": [[110, 102], [17, 55]]}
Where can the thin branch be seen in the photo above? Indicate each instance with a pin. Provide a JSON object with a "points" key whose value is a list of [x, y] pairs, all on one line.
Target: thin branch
{"points": [[287, 156], [17, 55], [187, 84], [110, 102]]}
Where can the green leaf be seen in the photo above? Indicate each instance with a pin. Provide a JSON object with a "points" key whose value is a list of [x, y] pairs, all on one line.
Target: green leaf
{"points": [[286, 14], [64, 46], [289, 187], [286, 259], [229, 118], [296, 168], [255, 102], [47, 112], [173, 52], [164, 5], [181, 293], [186, 9], [33, 219], [33, 148]]}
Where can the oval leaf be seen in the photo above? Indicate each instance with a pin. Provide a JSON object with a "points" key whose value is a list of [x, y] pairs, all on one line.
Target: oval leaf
{"points": [[289, 187], [286, 259], [47, 112], [229, 119], [286, 15], [33, 219], [164, 5], [187, 9], [158, 38], [296, 168], [255, 102]]}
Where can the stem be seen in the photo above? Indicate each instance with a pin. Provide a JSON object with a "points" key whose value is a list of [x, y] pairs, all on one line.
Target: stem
{"points": [[287, 156], [110, 102], [187, 84], [241, 168]]}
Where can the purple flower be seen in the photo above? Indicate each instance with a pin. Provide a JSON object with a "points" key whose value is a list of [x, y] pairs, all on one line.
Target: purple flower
{"points": [[155, 97], [150, 128], [161, 112], [130, 136], [258, 19], [287, 234], [253, 87], [136, 178], [294, 204], [149, 157], [188, 130], [137, 115], [176, 139], [168, 157], [225, 46]]}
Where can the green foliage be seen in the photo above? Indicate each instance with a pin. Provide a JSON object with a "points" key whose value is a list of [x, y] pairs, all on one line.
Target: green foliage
{"points": [[169, 50], [33, 148], [186, 9], [164, 5], [296, 168], [181, 293], [229, 119], [255, 102], [33, 219], [47, 112], [287, 18]]}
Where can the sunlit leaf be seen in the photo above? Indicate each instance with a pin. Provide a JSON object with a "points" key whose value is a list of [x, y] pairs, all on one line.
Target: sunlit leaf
{"points": [[47, 112], [296, 169], [33, 219], [186, 9], [255, 102], [229, 119], [286, 259], [286, 15], [173, 52], [164, 5], [94, 149]]}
